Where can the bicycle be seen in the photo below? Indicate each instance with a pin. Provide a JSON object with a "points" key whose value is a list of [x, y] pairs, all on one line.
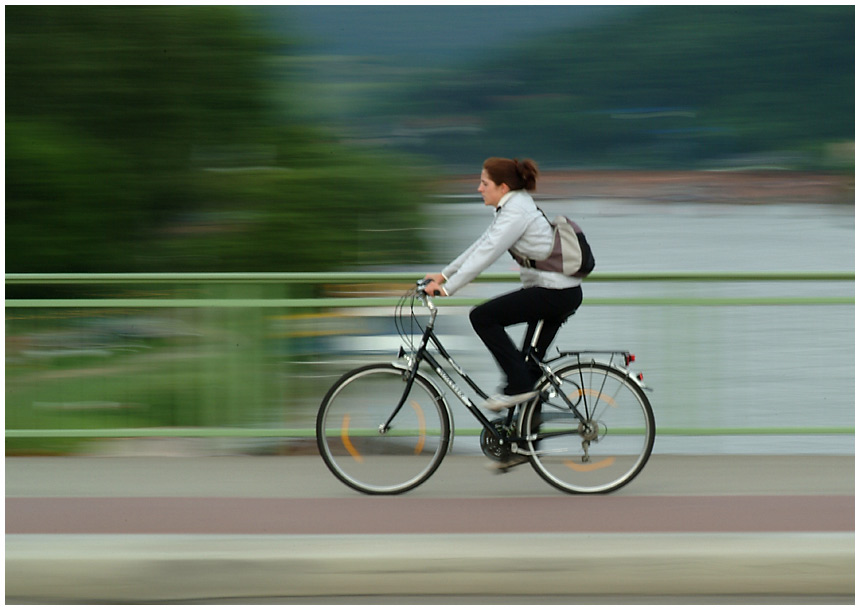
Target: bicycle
{"points": [[385, 428]]}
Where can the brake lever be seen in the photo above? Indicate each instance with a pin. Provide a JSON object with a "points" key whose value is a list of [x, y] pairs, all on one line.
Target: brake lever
{"points": [[422, 283]]}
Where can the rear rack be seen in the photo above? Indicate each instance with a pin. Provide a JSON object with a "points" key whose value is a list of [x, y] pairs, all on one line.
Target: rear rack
{"points": [[628, 356]]}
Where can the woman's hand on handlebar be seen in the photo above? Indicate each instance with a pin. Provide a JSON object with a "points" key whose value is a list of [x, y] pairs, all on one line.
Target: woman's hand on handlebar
{"points": [[434, 289], [433, 286]]}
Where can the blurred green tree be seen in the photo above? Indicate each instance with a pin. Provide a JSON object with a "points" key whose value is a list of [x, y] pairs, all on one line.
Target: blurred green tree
{"points": [[660, 86], [153, 139]]}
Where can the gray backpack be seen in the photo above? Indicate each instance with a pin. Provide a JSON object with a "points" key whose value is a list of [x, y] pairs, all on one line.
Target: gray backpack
{"points": [[571, 254]]}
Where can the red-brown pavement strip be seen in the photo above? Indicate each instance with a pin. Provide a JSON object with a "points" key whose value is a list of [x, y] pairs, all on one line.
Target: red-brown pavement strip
{"points": [[399, 515]]}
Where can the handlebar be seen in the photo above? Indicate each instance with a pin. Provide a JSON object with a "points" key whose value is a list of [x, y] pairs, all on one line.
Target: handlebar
{"points": [[424, 296], [422, 283]]}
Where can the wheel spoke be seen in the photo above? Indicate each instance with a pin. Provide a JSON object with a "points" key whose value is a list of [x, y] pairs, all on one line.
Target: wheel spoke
{"points": [[602, 453]]}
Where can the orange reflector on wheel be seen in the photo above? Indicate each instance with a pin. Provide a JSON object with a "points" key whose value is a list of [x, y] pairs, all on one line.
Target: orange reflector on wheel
{"points": [[579, 467], [344, 437], [422, 427], [598, 395]]}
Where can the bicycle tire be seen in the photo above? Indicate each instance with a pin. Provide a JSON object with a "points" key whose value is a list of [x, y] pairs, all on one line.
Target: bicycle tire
{"points": [[348, 430], [606, 452]]}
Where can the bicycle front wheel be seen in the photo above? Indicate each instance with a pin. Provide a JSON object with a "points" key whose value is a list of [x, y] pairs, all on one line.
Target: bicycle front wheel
{"points": [[357, 449], [605, 449]]}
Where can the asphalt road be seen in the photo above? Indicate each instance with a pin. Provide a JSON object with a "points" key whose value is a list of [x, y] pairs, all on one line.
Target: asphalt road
{"points": [[240, 528]]}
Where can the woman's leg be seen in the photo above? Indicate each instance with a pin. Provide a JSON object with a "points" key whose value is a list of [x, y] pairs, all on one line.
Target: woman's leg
{"points": [[527, 305], [566, 305]]}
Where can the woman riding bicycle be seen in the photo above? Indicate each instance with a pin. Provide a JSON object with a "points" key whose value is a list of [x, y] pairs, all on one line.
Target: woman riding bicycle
{"points": [[520, 227]]}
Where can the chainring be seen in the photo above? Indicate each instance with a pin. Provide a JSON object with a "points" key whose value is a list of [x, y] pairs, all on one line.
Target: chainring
{"points": [[495, 448]]}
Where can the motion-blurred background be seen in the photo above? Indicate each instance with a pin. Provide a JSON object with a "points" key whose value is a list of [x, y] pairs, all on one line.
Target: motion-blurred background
{"points": [[349, 138]]}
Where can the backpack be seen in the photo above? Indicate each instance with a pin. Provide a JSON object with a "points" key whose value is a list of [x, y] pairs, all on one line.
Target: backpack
{"points": [[571, 254]]}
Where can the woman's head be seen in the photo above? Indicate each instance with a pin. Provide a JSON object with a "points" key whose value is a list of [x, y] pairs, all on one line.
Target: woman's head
{"points": [[513, 172]]}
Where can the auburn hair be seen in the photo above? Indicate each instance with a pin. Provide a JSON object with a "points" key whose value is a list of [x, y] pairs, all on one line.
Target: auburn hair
{"points": [[516, 174]]}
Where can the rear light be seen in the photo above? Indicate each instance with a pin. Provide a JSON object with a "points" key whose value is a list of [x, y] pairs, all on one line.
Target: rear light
{"points": [[628, 358]]}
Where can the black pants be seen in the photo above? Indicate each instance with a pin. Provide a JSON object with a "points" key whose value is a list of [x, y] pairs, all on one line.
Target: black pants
{"points": [[529, 305]]}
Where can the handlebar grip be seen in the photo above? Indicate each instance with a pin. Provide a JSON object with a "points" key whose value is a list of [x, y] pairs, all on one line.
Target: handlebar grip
{"points": [[423, 283]]}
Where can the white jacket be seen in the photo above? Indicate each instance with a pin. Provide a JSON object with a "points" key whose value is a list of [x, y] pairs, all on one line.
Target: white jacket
{"points": [[518, 224]]}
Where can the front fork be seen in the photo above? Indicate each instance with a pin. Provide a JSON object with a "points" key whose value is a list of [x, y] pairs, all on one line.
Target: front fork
{"points": [[409, 374]]}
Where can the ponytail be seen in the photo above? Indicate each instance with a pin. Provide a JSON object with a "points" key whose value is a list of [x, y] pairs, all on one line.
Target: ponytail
{"points": [[516, 174]]}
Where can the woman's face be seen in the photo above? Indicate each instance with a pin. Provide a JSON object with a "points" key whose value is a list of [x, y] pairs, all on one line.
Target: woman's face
{"points": [[490, 191]]}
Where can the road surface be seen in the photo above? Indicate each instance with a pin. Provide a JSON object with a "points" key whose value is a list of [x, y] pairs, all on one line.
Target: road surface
{"points": [[282, 529]]}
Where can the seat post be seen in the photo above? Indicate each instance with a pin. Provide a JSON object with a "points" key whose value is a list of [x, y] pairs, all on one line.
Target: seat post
{"points": [[536, 334], [531, 348]]}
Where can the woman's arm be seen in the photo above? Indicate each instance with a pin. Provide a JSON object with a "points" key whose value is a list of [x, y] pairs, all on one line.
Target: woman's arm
{"points": [[507, 227]]}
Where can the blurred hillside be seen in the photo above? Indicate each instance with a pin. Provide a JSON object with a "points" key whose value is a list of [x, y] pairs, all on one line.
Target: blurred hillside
{"points": [[653, 87], [420, 36], [306, 138]]}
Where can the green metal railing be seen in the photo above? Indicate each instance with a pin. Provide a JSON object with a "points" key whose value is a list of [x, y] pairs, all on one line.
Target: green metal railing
{"points": [[239, 279], [13, 279], [197, 432]]}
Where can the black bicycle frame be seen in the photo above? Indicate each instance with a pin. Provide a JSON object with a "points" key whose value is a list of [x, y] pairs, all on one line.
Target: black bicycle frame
{"points": [[422, 355]]}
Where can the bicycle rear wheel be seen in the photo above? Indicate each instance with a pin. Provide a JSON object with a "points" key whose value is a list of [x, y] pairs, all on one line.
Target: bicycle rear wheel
{"points": [[602, 453], [375, 462]]}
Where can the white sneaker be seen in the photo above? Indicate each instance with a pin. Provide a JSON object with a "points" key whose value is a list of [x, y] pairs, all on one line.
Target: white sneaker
{"points": [[500, 402]]}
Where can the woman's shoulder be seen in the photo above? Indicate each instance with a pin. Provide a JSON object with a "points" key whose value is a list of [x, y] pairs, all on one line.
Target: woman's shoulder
{"points": [[521, 202], [521, 199]]}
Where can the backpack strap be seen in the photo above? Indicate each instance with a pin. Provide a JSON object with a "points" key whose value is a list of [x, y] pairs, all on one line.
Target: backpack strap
{"points": [[530, 263]]}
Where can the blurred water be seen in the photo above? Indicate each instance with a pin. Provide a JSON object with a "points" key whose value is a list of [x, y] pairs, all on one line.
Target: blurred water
{"points": [[649, 236], [721, 367]]}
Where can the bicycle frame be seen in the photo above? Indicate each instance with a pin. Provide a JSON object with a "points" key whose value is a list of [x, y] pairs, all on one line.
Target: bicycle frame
{"points": [[422, 354]]}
